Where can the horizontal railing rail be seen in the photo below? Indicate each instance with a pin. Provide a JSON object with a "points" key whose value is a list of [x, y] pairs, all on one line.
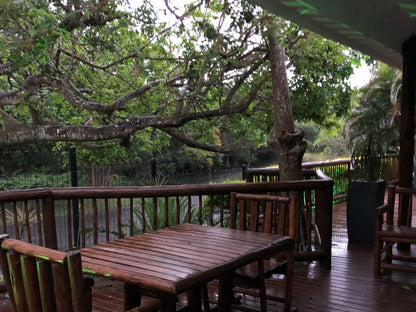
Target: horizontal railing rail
{"points": [[339, 170], [69, 218]]}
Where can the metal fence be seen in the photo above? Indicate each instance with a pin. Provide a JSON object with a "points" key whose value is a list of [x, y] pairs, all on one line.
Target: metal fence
{"points": [[24, 169]]}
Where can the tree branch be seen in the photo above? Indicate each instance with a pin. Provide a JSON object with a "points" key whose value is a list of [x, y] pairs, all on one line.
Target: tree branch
{"points": [[4, 68], [8, 98], [227, 110], [75, 98], [241, 81], [180, 136], [98, 16], [19, 133], [105, 67], [66, 8]]}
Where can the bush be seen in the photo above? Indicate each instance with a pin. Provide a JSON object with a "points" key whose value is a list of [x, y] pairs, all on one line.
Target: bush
{"points": [[25, 181]]}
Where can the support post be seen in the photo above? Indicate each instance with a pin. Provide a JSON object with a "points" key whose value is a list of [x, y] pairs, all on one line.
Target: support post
{"points": [[407, 126]]}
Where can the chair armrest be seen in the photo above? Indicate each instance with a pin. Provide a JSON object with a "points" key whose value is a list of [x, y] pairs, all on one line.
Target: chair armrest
{"points": [[383, 209], [379, 218]]}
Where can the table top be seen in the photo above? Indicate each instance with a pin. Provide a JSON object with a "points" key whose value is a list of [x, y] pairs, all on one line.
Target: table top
{"points": [[175, 259]]}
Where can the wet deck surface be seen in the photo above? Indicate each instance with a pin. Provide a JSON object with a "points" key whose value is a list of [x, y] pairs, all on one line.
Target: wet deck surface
{"points": [[349, 286]]}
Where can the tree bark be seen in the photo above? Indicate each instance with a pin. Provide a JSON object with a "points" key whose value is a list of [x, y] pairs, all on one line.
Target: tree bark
{"points": [[287, 143]]}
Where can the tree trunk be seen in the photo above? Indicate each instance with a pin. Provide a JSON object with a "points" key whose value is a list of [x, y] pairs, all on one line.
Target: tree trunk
{"points": [[224, 139], [100, 176], [287, 143]]}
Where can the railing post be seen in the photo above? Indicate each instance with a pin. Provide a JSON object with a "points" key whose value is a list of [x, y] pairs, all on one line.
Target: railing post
{"points": [[323, 220], [233, 213], [49, 224], [74, 183], [249, 176], [243, 171]]}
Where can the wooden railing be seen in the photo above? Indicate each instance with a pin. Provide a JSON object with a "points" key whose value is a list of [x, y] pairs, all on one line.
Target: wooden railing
{"points": [[340, 171], [69, 218], [390, 168]]}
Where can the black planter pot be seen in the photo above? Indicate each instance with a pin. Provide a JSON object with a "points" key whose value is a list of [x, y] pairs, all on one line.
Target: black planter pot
{"points": [[362, 198]]}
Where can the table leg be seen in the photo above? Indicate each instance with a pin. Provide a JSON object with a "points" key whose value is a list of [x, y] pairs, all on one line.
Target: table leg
{"points": [[194, 299], [132, 298], [225, 292], [168, 303]]}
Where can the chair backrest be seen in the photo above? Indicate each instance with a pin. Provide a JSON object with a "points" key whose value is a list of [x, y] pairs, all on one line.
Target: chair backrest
{"points": [[265, 213], [43, 279], [405, 207]]}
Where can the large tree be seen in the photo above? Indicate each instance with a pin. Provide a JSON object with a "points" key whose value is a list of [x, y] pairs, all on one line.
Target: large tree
{"points": [[99, 71], [286, 141]]}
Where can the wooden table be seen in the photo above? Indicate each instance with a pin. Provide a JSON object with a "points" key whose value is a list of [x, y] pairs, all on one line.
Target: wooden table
{"points": [[181, 259]]}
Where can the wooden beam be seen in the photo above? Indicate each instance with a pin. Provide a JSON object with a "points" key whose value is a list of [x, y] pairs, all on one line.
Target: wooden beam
{"points": [[407, 126]]}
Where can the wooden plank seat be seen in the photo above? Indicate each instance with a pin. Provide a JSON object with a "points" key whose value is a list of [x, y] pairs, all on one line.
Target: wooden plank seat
{"points": [[388, 235], [43, 279], [272, 215]]}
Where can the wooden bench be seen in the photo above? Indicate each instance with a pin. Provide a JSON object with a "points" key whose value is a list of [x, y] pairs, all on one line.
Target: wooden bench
{"points": [[388, 235], [42, 279]]}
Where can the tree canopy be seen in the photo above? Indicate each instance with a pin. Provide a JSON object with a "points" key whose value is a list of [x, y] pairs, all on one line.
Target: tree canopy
{"points": [[375, 117], [90, 72]]}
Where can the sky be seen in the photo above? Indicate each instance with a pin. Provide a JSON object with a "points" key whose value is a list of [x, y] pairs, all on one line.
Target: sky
{"points": [[361, 76]]}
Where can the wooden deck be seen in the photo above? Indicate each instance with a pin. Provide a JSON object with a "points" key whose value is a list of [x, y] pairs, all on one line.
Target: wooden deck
{"points": [[349, 286]]}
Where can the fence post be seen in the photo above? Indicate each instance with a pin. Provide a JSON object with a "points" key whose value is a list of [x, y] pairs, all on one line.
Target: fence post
{"points": [[153, 167], [243, 171], [74, 183]]}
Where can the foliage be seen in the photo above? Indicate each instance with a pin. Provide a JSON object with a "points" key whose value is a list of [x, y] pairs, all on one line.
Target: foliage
{"points": [[216, 203], [319, 84], [121, 82], [156, 180], [366, 158], [35, 180], [89, 231], [323, 143], [370, 134], [21, 217], [230, 181], [178, 159], [160, 214], [32, 157]]}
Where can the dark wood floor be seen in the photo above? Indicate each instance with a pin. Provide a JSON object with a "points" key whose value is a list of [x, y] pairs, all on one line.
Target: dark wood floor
{"points": [[348, 286]]}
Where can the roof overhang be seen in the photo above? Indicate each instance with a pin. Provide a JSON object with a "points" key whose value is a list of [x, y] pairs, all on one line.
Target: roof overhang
{"points": [[377, 28]]}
